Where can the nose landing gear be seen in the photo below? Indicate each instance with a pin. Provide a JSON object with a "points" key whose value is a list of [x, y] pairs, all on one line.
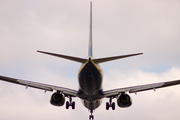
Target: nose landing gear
{"points": [[91, 117]]}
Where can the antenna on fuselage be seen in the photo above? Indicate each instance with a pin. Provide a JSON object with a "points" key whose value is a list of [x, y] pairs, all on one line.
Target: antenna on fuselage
{"points": [[90, 33]]}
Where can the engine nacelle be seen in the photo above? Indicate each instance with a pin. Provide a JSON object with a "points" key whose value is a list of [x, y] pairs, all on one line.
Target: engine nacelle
{"points": [[124, 100], [57, 99]]}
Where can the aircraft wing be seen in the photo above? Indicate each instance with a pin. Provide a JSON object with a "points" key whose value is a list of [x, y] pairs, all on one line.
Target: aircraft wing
{"points": [[46, 87], [135, 89]]}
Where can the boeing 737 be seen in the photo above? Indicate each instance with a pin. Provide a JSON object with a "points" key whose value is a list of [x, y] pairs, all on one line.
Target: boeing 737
{"points": [[90, 78]]}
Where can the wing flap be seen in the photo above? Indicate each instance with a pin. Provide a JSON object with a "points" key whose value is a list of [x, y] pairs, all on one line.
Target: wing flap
{"points": [[34, 85], [135, 89], [41, 86]]}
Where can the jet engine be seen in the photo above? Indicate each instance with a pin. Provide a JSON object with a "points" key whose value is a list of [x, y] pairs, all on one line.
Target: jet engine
{"points": [[124, 100], [57, 99]]}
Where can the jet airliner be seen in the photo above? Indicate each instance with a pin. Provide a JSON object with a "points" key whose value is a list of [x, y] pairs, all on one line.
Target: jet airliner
{"points": [[90, 78]]}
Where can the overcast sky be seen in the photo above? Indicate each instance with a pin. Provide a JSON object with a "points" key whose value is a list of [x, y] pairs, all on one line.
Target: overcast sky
{"points": [[62, 26]]}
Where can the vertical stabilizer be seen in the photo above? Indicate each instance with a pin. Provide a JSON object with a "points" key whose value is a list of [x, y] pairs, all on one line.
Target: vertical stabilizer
{"points": [[90, 33]]}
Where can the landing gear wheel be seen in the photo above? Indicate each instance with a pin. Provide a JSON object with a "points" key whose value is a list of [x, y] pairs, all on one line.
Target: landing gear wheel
{"points": [[73, 105], [110, 104], [113, 106], [91, 117], [67, 105], [70, 103], [107, 106]]}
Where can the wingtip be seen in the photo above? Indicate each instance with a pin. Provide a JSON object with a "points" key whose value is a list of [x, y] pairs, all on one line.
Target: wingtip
{"points": [[40, 51]]}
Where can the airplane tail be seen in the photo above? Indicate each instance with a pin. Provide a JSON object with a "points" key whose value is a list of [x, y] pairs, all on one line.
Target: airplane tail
{"points": [[76, 59], [106, 59], [82, 60], [90, 54]]}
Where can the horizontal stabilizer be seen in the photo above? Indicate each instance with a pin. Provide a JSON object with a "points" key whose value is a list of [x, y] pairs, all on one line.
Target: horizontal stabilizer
{"points": [[101, 60], [81, 60]]}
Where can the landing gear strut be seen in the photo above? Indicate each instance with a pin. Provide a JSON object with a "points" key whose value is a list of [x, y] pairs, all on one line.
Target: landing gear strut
{"points": [[91, 117], [70, 103], [110, 104]]}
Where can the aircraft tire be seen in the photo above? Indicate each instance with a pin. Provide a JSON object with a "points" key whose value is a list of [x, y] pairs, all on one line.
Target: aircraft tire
{"points": [[107, 106], [91, 117], [67, 105], [113, 106], [73, 105]]}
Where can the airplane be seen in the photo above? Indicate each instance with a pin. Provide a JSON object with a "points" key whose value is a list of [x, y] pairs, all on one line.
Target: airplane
{"points": [[90, 78]]}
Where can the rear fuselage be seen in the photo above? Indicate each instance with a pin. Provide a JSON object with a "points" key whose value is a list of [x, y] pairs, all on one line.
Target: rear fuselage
{"points": [[90, 84]]}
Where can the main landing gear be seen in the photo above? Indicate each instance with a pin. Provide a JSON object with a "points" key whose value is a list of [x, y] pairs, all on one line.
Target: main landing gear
{"points": [[110, 104], [91, 117], [70, 103]]}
